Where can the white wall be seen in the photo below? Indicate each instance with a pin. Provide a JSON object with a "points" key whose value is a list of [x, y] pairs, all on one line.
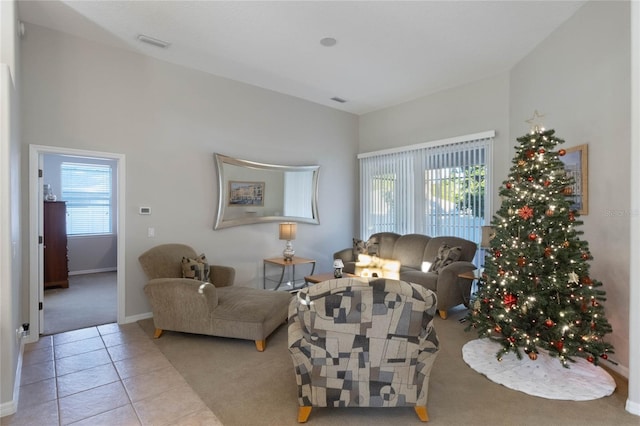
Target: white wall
{"points": [[11, 291], [579, 78], [168, 121]]}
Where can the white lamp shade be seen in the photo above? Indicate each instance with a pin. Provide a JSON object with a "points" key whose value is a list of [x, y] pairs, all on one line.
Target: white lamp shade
{"points": [[288, 231], [338, 263]]}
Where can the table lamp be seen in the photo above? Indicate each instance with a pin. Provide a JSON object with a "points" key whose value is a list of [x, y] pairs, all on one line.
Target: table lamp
{"points": [[288, 233], [488, 234], [337, 268]]}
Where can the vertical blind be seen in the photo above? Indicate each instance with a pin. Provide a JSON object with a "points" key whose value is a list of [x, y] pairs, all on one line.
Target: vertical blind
{"points": [[438, 188], [86, 188]]}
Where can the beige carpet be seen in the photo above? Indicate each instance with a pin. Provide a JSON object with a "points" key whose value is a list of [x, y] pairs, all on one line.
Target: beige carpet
{"points": [[245, 387], [90, 300]]}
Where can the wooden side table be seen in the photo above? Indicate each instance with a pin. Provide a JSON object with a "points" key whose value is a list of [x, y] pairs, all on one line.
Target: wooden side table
{"points": [[283, 264], [476, 277]]}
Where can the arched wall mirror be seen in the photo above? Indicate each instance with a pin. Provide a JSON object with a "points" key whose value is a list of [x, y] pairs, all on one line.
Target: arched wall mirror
{"points": [[250, 192]]}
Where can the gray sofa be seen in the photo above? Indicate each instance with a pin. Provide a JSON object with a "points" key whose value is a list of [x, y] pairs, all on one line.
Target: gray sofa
{"points": [[411, 251]]}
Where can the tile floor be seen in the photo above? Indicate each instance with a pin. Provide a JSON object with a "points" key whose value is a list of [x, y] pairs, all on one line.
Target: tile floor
{"points": [[106, 375]]}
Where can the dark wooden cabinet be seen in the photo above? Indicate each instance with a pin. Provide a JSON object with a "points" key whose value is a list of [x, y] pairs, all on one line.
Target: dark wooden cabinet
{"points": [[56, 269]]}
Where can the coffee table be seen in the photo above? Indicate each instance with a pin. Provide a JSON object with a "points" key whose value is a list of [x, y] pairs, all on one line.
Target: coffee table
{"points": [[318, 278]]}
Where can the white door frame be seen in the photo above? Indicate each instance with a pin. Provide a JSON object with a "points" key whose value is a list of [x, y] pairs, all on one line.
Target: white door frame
{"points": [[36, 263]]}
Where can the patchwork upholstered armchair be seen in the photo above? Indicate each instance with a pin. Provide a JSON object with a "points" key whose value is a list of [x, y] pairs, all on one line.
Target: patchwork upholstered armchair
{"points": [[207, 302], [356, 343]]}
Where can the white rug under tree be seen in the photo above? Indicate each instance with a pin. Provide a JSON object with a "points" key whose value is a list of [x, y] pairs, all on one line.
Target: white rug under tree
{"points": [[545, 377]]}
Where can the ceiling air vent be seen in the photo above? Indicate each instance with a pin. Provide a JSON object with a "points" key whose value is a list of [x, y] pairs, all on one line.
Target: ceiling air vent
{"points": [[337, 99]]}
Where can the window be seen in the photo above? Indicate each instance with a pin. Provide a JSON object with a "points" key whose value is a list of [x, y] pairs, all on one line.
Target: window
{"points": [[436, 189], [87, 190]]}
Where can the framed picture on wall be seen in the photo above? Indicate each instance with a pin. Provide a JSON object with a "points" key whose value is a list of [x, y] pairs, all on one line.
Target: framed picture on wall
{"points": [[576, 163], [246, 193]]}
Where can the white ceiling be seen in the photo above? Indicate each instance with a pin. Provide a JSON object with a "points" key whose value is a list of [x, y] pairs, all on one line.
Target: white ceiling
{"points": [[388, 52]]}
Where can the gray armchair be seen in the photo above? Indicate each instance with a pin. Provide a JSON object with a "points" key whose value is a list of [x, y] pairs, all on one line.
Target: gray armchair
{"points": [[214, 308]]}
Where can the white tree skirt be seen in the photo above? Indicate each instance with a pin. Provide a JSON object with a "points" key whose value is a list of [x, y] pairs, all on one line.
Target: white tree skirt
{"points": [[545, 377]]}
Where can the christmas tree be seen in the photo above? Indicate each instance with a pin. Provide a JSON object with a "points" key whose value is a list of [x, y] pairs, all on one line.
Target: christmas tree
{"points": [[537, 292]]}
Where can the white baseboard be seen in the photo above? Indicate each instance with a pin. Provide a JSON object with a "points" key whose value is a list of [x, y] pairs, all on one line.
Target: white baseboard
{"points": [[93, 271], [10, 407], [135, 318], [633, 407]]}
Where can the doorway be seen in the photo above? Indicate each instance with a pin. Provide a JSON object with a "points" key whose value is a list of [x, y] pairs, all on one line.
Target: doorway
{"points": [[39, 157]]}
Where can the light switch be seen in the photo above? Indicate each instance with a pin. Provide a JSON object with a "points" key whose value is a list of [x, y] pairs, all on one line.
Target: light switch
{"points": [[151, 232], [144, 210]]}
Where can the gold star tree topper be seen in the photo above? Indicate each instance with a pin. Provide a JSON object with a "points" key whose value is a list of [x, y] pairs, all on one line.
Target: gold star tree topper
{"points": [[536, 122]]}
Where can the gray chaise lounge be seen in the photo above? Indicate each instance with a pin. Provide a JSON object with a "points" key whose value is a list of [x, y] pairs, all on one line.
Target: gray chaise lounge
{"points": [[214, 308]]}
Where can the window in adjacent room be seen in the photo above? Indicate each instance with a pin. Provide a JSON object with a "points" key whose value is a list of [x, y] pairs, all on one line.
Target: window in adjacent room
{"points": [[437, 188], [87, 189]]}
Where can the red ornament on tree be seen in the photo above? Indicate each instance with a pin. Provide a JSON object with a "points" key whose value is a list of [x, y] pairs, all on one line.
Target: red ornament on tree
{"points": [[547, 251], [547, 182], [549, 323], [604, 356], [510, 300], [541, 151], [531, 153], [532, 236], [508, 185], [590, 358], [585, 256], [525, 212], [562, 152], [567, 190], [498, 253], [572, 216], [521, 261], [559, 345]]}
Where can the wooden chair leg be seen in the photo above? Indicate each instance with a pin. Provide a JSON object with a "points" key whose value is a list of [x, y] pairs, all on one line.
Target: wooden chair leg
{"points": [[260, 345], [443, 314], [303, 414], [422, 413], [158, 333]]}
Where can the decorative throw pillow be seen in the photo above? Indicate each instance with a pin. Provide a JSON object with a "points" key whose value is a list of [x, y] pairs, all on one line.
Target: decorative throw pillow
{"points": [[445, 256], [373, 246], [197, 269], [359, 247], [369, 247]]}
